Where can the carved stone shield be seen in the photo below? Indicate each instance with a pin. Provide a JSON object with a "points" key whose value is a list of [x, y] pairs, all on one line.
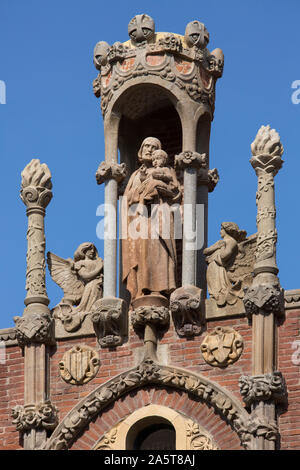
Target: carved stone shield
{"points": [[79, 365], [222, 346]]}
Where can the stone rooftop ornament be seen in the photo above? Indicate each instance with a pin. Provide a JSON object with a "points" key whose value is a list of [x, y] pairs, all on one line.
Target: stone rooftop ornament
{"points": [[141, 28]]}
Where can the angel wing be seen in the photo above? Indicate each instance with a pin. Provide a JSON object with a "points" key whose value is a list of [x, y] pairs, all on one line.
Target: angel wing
{"points": [[62, 273], [242, 268]]}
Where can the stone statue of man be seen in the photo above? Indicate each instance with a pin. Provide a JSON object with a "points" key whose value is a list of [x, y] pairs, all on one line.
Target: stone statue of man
{"points": [[149, 262]]}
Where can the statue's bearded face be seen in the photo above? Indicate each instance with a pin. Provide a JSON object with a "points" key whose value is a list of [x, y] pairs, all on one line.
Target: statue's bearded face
{"points": [[148, 147]]}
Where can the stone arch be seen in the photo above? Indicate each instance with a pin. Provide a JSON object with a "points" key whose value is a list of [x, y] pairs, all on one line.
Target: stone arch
{"points": [[146, 374], [188, 434]]}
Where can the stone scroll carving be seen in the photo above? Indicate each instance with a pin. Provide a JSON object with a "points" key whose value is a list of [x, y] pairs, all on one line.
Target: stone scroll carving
{"points": [[79, 365], [40, 416], [230, 265], [186, 305], [222, 347], [198, 438], [109, 319], [81, 280]]}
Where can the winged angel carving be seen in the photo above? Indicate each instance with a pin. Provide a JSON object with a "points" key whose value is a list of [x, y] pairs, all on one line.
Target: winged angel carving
{"points": [[230, 264], [81, 280]]}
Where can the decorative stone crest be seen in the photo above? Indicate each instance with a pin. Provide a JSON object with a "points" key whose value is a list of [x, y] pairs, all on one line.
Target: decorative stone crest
{"points": [[222, 347], [186, 305], [263, 388], [196, 35], [266, 298], [34, 328], [109, 319], [79, 365], [198, 438], [41, 416], [108, 171]]}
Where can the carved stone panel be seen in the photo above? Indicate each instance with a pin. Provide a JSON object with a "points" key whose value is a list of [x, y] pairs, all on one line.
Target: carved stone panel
{"points": [[79, 365], [222, 347]]}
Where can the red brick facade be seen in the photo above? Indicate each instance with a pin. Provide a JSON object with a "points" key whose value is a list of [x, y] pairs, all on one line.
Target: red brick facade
{"points": [[178, 352]]}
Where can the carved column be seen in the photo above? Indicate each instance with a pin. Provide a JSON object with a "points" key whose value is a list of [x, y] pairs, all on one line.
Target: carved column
{"points": [[34, 330], [264, 299], [109, 314]]}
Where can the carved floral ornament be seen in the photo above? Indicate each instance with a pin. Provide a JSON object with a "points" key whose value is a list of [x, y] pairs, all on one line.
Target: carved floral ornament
{"points": [[40, 416], [34, 328], [36, 184], [184, 60], [79, 365], [147, 373], [222, 347], [266, 151], [266, 298], [263, 387]]}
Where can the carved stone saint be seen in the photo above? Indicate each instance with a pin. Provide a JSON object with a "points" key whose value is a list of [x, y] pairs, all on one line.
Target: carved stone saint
{"points": [[81, 280], [230, 264], [148, 247]]}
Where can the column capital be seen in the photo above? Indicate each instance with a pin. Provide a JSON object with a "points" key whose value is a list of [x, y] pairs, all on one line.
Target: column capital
{"points": [[107, 171], [35, 416], [266, 298], [263, 387], [189, 159], [34, 328]]}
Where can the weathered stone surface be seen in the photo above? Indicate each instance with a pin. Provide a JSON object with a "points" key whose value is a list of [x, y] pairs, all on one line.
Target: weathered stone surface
{"points": [[109, 320], [34, 328], [35, 416], [230, 265], [81, 280], [264, 298], [186, 305], [79, 365], [222, 347], [265, 387]]}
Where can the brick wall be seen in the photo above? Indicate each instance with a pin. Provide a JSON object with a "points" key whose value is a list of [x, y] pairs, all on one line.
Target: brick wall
{"points": [[177, 351]]}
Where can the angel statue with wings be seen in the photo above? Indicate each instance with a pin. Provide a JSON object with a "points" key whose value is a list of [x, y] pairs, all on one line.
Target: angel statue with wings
{"points": [[230, 264], [81, 280]]}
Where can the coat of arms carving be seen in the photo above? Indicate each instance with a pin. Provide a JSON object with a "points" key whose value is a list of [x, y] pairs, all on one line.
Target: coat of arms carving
{"points": [[79, 365], [221, 347]]}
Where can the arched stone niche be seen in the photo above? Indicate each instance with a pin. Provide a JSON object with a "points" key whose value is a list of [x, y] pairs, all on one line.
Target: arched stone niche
{"points": [[189, 434]]}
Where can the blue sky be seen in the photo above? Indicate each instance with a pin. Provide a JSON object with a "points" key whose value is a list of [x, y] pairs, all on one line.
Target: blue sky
{"points": [[51, 113]]}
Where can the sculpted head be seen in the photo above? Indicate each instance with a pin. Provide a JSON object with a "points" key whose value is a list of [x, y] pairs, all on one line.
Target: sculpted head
{"points": [[85, 250], [232, 229], [159, 158], [149, 145]]}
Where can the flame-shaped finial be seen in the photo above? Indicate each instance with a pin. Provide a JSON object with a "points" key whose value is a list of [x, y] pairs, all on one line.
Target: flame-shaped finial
{"points": [[36, 174], [267, 150]]}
